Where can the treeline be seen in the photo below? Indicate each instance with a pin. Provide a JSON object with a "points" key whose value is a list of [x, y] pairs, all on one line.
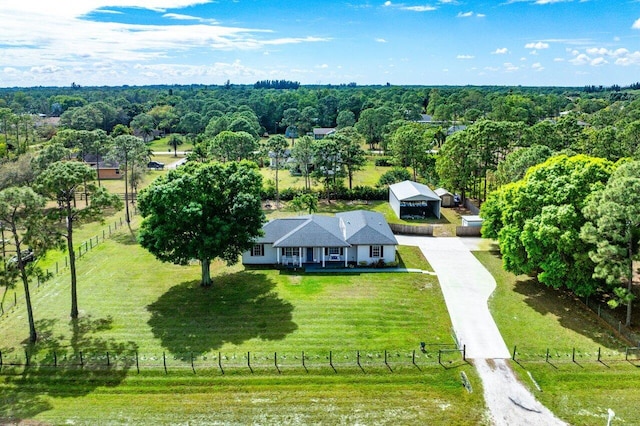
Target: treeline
{"points": [[276, 84]]}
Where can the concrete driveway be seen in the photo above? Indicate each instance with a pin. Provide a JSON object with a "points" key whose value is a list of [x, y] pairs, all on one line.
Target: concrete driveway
{"points": [[466, 286]]}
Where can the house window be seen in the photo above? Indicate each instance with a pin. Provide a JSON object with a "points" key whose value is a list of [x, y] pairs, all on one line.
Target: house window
{"points": [[290, 251], [376, 251], [334, 250], [258, 250]]}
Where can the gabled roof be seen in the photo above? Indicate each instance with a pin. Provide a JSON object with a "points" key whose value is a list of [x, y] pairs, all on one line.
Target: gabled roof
{"points": [[413, 191], [441, 191], [317, 230], [343, 230], [324, 131], [366, 227]]}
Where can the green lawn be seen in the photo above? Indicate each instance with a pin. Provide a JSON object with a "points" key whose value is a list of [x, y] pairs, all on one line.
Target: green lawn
{"points": [[535, 318], [132, 304]]}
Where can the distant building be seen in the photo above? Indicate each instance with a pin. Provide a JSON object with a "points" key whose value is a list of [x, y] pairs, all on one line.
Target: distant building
{"points": [[412, 200]]}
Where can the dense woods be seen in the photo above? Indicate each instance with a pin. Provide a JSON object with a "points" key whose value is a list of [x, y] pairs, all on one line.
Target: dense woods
{"points": [[478, 142]]}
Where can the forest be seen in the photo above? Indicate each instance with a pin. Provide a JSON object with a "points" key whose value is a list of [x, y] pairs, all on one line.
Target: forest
{"points": [[539, 162]]}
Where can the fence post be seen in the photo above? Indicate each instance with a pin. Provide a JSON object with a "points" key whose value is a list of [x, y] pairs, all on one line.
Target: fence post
{"points": [[513, 357], [164, 361], [573, 355], [331, 361], [439, 356], [192, 366], [220, 363], [90, 243], [81, 360], [109, 229], [275, 361], [137, 363], [249, 361], [303, 365], [547, 358], [464, 352]]}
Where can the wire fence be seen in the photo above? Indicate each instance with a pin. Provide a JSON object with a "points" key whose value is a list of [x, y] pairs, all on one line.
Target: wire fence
{"points": [[607, 315], [577, 355], [10, 299], [445, 356]]}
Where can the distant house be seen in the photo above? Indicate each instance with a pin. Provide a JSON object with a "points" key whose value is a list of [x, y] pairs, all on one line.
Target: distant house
{"points": [[356, 237], [282, 160], [105, 169], [323, 132], [412, 200], [447, 198]]}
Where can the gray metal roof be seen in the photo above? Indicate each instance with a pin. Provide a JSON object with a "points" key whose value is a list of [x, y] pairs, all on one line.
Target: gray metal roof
{"points": [[343, 230], [413, 191], [441, 191], [317, 230], [367, 227]]}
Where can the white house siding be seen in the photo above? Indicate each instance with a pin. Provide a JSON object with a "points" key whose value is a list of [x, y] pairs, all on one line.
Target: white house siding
{"points": [[269, 258], [389, 254]]}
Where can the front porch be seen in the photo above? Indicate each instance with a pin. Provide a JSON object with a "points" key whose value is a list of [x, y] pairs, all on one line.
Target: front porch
{"points": [[317, 256]]}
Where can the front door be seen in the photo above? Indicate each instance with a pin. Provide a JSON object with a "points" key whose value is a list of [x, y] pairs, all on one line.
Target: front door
{"points": [[309, 254]]}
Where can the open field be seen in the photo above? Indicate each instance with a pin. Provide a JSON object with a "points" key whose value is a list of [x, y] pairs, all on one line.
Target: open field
{"points": [[577, 388], [130, 303]]}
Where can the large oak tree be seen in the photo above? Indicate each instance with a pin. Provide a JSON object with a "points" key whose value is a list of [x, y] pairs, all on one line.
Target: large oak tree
{"points": [[202, 211]]}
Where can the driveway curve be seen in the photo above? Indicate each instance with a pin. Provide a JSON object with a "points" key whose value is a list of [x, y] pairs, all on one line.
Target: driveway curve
{"points": [[467, 286]]}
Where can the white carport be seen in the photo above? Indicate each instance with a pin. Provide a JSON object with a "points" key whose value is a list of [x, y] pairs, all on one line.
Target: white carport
{"points": [[412, 200]]}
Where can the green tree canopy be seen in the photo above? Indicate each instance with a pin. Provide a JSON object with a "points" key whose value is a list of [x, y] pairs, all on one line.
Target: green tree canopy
{"points": [[613, 228], [202, 211], [537, 221]]}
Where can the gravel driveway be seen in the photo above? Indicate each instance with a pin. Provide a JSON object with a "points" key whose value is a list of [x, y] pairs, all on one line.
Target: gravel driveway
{"points": [[466, 286]]}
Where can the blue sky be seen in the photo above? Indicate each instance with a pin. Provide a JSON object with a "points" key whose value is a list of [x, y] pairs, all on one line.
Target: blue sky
{"points": [[423, 42]]}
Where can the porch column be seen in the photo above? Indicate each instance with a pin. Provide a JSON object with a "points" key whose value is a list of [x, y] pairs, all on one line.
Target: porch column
{"points": [[300, 256], [323, 257], [278, 255], [346, 256]]}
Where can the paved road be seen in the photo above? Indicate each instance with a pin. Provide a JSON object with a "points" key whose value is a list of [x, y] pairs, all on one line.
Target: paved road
{"points": [[467, 286]]}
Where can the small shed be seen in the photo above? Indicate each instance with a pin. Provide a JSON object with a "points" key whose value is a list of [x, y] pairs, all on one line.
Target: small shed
{"points": [[446, 197], [471, 220], [412, 200]]}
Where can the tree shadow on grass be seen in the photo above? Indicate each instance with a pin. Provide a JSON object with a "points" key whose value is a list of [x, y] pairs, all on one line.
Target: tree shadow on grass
{"points": [[59, 371], [236, 308], [571, 313]]}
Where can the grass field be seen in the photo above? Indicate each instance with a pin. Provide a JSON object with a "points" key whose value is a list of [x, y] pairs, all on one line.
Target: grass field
{"points": [[130, 303], [578, 388]]}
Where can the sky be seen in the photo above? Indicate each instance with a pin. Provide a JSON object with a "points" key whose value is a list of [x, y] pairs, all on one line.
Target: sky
{"points": [[403, 42]]}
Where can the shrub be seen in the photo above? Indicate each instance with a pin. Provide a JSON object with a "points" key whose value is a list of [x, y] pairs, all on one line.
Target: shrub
{"points": [[383, 162]]}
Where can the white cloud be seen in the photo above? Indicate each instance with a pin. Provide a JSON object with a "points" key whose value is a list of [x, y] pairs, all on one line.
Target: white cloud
{"points": [[537, 66], [558, 59], [387, 3], [537, 46], [500, 51], [465, 14], [598, 62], [425, 8], [580, 59], [636, 24], [380, 40], [509, 67], [465, 57]]}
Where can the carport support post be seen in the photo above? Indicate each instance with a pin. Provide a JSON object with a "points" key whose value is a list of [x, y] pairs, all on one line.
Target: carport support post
{"points": [[464, 352], [513, 357], [599, 354]]}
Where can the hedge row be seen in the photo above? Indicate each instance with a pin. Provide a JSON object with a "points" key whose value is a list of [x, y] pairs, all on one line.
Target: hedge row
{"points": [[357, 193]]}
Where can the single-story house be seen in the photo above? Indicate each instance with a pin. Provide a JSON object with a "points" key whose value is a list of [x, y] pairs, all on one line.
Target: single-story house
{"points": [[323, 132], [105, 169], [447, 198], [471, 220], [357, 237], [412, 200]]}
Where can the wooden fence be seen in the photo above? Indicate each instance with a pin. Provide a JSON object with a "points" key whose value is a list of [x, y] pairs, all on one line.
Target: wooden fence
{"points": [[426, 230]]}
